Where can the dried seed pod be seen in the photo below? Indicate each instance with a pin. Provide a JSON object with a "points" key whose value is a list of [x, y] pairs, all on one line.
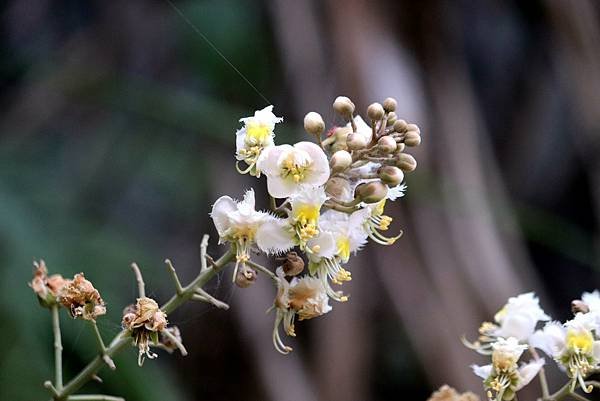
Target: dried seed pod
{"points": [[412, 138], [387, 144], [313, 123], [293, 264], [343, 106], [245, 276], [375, 111], [391, 175], [406, 162]]}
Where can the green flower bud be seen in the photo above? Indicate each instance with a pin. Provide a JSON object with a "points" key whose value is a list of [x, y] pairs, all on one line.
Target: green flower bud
{"points": [[406, 162], [391, 175], [390, 104], [371, 192], [400, 126], [340, 161], [387, 144], [391, 118], [313, 123], [343, 106], [412, 138], [375, 111]]}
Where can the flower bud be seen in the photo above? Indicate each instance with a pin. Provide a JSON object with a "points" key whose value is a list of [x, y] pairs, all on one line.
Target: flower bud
{"points": [[390, 104], [245, 276], [386, 144], [371, 192], [313, 123], [340, 161], [400, 126], [412, 138], [413, 127], [293, 264], [406, 162], [392, 117], [343, 106], [391, 175], [375, 111], [356, 141], [400, 147], [578, 306], [338, 188]]}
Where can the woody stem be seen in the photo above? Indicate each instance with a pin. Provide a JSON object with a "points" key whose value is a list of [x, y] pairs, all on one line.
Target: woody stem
{"points": [[58, 380]]}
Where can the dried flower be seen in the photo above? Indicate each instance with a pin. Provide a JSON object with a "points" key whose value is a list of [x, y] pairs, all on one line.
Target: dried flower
{"points": [[81, 298], [293, 264], [447, 393], [46, 288], [145, 321]]}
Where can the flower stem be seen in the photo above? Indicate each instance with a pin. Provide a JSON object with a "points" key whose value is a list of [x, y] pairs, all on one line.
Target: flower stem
{"points": [[563, 392], [94, 397], [140, 280], [101, 345], [58, 380], [262, 269], [542, 375], [579, 397], [124, 338]]}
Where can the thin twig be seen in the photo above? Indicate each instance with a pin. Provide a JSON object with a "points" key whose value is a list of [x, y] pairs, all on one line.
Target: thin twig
{"points": [[94, 397], [203, 248], [262, 269], [107, 359], [175, 341], [203, 296], [58, 375], [140, 280], [542, 374], [173, 273]]}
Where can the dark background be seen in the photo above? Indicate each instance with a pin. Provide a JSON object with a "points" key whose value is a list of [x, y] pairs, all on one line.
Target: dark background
{"points": [[117, 124]]}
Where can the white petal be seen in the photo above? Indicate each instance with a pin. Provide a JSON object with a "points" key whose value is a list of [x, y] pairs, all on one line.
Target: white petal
{"points": [[551, 339], [520, 326], [596, 351], [528, 371], [482, 371], [320, 165], [280, 188], [240, 137], [396, 192], [327, 246], [274, 236], [248, 203], [268, 159], [362, 128], [592, 300], [220, 212]]}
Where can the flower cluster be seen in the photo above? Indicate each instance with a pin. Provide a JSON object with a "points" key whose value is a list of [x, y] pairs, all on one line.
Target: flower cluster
{"points": [[573, 345], [327, 201], [145, 321]]}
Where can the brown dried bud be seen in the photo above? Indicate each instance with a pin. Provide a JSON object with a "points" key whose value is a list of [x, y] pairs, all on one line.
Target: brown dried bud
{"points": [[356, 141], [340, 161], [371, 192], [578, 306], [387, 144], [245, 276], [391, 175], [45, 287], [343, 106], [390, 104], [406, 162], [81, 298], [293, 264], [400, 126], [375, 111], [313, 123], [412, 138], [447, 393]]}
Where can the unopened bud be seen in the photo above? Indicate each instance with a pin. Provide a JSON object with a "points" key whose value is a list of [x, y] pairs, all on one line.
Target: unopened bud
{"points": [[375, 111], [338, 188], [386, 144], [390, 104], [343, 106], [413, 127], [578, 306], [392, 117], [313, 123], [412, 138], [356, 141], [400, 147], [406, 162], [245, 276], [391, 175], [340, 161], [400, 126], [371, 192], [293, 264]]}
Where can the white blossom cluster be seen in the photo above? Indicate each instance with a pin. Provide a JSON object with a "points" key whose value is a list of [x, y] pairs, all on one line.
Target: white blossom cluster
{"points": [[574, 345], [327, 200]]}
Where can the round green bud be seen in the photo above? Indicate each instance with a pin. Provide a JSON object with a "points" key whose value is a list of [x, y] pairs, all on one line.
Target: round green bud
{"points": [[391, 118], [340, 161], [343, 106], [391, 175], [400, 126], [406, 162], [313, 123], [387, 144], [390, 104], [412, 138], [375, 111], [371, 192]]}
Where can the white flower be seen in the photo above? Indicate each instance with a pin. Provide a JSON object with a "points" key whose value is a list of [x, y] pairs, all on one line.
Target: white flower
{"points": [[306, 209], [519, 317], [241, 225], [396, 192], [256, 135], [503, 375], [374, 221], [572, 346], [288, 168], [592, 301], [305, 297]]}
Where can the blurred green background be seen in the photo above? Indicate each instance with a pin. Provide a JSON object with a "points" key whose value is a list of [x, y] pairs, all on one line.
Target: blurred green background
{"points": [[117, 133]]}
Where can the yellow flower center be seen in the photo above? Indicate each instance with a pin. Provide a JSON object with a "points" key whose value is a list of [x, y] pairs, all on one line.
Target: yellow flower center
{"points": [[256, 133], [580, 342], [246, 233], [378, 211], [306, 214], [343, 247], [291, 169]]}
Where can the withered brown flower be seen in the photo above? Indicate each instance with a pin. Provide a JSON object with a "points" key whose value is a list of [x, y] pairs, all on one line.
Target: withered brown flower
{"points": [[447, 393], [144, 320], [81, 298], [46, 288]]}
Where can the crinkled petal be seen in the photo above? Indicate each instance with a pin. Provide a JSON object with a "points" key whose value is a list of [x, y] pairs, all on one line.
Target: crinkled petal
{"points": [[327, 248], [275, 236], [551, 340], [220, 212], [396, 192], [528, 371], [482, 371]]}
